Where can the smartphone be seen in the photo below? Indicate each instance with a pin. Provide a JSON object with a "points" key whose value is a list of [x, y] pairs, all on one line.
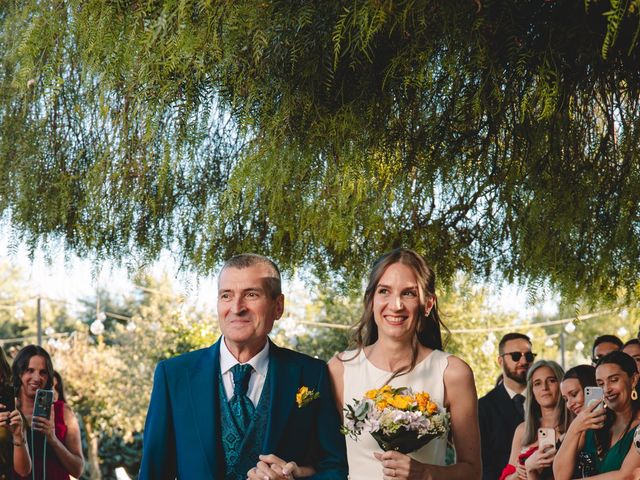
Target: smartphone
{"points": [[42, 407], [593, 395], [7, 398], [546, 438]]}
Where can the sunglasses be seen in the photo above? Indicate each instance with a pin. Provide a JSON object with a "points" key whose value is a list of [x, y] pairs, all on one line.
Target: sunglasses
{"points": [[516, 356]]}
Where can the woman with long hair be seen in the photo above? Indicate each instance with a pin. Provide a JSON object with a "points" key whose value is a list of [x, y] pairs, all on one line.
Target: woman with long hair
{"points": [[572, 388], [544, 408], [398, 342], [604, 431], [14, 455], [54, 441]]}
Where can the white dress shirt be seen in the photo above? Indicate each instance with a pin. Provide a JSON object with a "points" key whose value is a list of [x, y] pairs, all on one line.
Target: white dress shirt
{"points": [[513, 393], [260, 364]]}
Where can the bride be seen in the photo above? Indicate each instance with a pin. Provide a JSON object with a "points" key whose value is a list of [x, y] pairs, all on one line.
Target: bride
{"points": [[399, 343]]}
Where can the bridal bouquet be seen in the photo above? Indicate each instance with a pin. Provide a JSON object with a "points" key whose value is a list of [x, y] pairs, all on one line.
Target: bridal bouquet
{"points": [[397, 418]]}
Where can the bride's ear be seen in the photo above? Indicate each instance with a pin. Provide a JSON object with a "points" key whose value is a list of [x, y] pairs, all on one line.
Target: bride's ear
{"points": [[428, 306]]}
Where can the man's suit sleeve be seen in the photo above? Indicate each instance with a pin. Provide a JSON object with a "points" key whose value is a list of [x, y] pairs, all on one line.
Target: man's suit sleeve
{"points": [[158, 450], [332, 464]]}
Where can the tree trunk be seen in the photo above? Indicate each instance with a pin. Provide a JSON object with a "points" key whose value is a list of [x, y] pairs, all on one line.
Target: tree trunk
{"points": [[92, 452]]}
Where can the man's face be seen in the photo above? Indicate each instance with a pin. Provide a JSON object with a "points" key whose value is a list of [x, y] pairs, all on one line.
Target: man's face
{"points": [[602, 349], [516, 370], [633, 350], [246, 310]]}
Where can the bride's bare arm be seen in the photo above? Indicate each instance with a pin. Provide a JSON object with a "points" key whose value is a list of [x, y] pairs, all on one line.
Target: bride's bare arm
{"points": [[462, 402], [336, 374]]}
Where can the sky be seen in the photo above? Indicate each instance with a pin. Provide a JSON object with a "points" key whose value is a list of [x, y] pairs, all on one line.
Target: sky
{"points": [[70, 278]]}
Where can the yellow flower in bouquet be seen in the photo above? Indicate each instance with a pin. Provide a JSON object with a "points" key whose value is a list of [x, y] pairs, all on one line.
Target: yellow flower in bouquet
{"points": [[397, 418]]}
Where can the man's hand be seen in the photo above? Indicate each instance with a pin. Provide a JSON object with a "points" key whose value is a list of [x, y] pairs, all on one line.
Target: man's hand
{"points": [[272, 467]]}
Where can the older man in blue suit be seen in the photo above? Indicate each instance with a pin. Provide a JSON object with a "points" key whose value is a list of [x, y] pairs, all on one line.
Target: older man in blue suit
{"points": [[236, 410]]}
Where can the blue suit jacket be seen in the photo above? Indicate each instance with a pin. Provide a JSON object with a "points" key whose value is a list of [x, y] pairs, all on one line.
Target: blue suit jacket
{"points": [[182, 431]]}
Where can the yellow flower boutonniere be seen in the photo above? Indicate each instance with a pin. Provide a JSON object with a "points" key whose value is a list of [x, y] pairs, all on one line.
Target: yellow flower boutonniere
{"points": [[304, 396]]}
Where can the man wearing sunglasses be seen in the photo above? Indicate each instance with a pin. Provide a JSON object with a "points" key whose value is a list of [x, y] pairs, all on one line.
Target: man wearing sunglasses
{"points": [[502, 409]]}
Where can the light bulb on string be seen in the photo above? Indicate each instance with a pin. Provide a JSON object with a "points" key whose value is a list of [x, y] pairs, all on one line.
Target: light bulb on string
{"points": [[570, 327], [131, 326], [549, 342], [97, 327], [49, 331], [622, 332], [488, 347], [579, 346]]}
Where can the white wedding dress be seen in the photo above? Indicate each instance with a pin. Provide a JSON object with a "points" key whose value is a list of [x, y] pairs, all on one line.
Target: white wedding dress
{"points": [[360, 375]]}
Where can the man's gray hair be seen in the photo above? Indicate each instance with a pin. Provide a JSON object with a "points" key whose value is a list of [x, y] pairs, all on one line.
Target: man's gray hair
{"points": [[246, 260]]}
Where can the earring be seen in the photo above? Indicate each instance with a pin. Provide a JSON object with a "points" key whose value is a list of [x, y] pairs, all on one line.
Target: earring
{"points": [[634, 394]]}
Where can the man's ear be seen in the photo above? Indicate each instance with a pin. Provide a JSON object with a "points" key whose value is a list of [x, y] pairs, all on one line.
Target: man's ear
{"points": [[500, 361], [279, 306]]}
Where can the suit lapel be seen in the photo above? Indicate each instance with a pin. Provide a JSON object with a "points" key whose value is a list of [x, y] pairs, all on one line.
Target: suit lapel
{"points": [[284, 383], [203, 386]]}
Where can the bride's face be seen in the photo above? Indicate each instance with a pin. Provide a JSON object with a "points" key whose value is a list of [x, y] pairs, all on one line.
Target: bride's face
{"points": [[396, 302]]}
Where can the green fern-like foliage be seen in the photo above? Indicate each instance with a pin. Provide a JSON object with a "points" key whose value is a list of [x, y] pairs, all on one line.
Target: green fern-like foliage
{"points": [[491, 136]]}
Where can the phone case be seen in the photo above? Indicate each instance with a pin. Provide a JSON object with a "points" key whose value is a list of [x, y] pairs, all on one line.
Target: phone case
{"points": [[42, 407], [546, 438], [592, 394]]}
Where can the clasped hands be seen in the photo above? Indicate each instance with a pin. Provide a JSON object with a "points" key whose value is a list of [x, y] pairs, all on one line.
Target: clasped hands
{"points": [[272, 467]]}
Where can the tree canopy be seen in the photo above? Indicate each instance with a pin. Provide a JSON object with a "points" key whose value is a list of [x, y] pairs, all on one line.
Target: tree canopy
{"points": [[490, 135]]}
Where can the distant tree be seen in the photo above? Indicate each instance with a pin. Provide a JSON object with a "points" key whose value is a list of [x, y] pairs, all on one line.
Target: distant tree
{"points": [[489, 135], [109, 376]]}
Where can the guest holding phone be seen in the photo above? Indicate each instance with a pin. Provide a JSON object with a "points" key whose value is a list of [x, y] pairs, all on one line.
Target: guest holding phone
{"points": [[544, 409], [605, 435], [57, 438], [14, 455], [572, 388]]}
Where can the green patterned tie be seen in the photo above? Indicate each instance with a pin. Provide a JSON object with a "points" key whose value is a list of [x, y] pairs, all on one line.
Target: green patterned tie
{"points": [[240, 405]]}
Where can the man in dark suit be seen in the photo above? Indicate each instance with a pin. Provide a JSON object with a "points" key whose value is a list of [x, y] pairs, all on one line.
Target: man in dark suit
{"points": [[238, 409], [604, 345], [502, 409]]}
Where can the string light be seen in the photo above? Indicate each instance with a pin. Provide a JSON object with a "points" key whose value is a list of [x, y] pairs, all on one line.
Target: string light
{"points": [[622, 332], [579, 346], [570, 327], [488, 347], [548, 342], [97, 327]]}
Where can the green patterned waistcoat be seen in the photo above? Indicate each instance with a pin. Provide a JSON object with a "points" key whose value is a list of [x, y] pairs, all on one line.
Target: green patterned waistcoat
{"points": [[241, 454]]}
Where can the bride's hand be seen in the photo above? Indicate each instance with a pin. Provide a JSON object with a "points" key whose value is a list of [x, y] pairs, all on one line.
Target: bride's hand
{"points": [[397, 466]]}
